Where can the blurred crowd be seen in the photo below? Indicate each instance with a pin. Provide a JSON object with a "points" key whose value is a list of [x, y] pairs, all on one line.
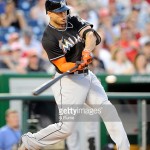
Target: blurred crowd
{"points": [[123, 25]]}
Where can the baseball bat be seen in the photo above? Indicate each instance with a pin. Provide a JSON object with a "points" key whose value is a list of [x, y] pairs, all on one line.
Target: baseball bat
{"points": [[49, 83]]}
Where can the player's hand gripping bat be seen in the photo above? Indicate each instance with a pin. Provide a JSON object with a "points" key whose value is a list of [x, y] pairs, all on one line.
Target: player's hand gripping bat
{"points": [[49, 83]]}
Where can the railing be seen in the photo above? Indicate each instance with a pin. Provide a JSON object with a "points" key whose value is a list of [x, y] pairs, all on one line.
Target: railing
{"points": [[111, 95], [141, 97]]}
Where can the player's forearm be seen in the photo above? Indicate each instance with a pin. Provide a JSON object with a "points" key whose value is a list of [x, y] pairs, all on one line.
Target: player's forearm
{"points": [[66, 66], [63, 65], [90, 42]]}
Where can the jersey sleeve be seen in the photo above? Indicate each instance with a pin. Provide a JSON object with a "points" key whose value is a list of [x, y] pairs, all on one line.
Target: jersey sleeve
{"points": [[52, 49], [79, 23]]}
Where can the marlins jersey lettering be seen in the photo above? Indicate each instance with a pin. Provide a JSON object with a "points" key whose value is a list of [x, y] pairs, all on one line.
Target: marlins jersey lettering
{"points": [[68, 43]]}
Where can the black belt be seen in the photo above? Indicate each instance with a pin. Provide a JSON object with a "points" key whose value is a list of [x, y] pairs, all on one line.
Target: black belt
{"points": [[80, 71]]}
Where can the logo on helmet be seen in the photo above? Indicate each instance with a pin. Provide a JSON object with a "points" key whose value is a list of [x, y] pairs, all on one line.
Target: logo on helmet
{"points": [[63, 3]]}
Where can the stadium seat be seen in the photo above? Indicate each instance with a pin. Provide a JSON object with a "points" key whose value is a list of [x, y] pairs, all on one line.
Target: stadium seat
{"points": [[4, 33], [38, 28], [2, 7]]}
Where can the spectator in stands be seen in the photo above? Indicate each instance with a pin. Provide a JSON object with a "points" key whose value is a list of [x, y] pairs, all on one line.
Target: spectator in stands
{"points": [[134, 50], [131, 23], [4, 56], [102, 51], [97, 66], [11, 58], [146, 52], [140, 64], [127, 42], [116, 16], [135, 14], [120, 64], [111, 32], [144, 12], [41, 17], [46, 65], [146, 35], [28, 42], [19, 63], [12, 16], [72, 3], [13, 37], [10, 134], [125, 37], [88, 14], [34, 62]]}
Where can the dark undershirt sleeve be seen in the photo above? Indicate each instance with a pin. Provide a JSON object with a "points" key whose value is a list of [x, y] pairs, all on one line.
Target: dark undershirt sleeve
{"points": [[52, 49]]}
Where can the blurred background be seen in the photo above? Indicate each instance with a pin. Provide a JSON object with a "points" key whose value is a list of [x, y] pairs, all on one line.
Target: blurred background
{"points": [[121, 61]]}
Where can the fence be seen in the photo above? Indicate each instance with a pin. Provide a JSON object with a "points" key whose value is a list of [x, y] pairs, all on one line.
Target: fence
{"points": [[141, 97]]}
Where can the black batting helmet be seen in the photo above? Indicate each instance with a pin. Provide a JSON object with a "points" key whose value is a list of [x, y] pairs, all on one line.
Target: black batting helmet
{"points": [[56, 6]]}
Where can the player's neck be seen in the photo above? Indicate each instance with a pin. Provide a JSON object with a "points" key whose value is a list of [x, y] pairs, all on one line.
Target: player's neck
{"points": [[57, 26]]}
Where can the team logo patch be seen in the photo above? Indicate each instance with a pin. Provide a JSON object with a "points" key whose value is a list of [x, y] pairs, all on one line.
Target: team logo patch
{"points": [[66, 44]]}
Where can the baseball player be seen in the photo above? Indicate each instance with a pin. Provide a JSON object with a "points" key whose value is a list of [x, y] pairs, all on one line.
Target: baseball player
{"points": [[66, 40]]}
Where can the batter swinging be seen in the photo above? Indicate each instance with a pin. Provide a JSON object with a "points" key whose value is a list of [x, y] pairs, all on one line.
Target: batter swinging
{"points": [[68, 39]]}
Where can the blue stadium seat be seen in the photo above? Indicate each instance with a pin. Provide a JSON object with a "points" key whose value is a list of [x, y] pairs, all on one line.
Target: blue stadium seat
{"points": [[4, 33], [38, 28], [25, 6], [2, 7]]}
